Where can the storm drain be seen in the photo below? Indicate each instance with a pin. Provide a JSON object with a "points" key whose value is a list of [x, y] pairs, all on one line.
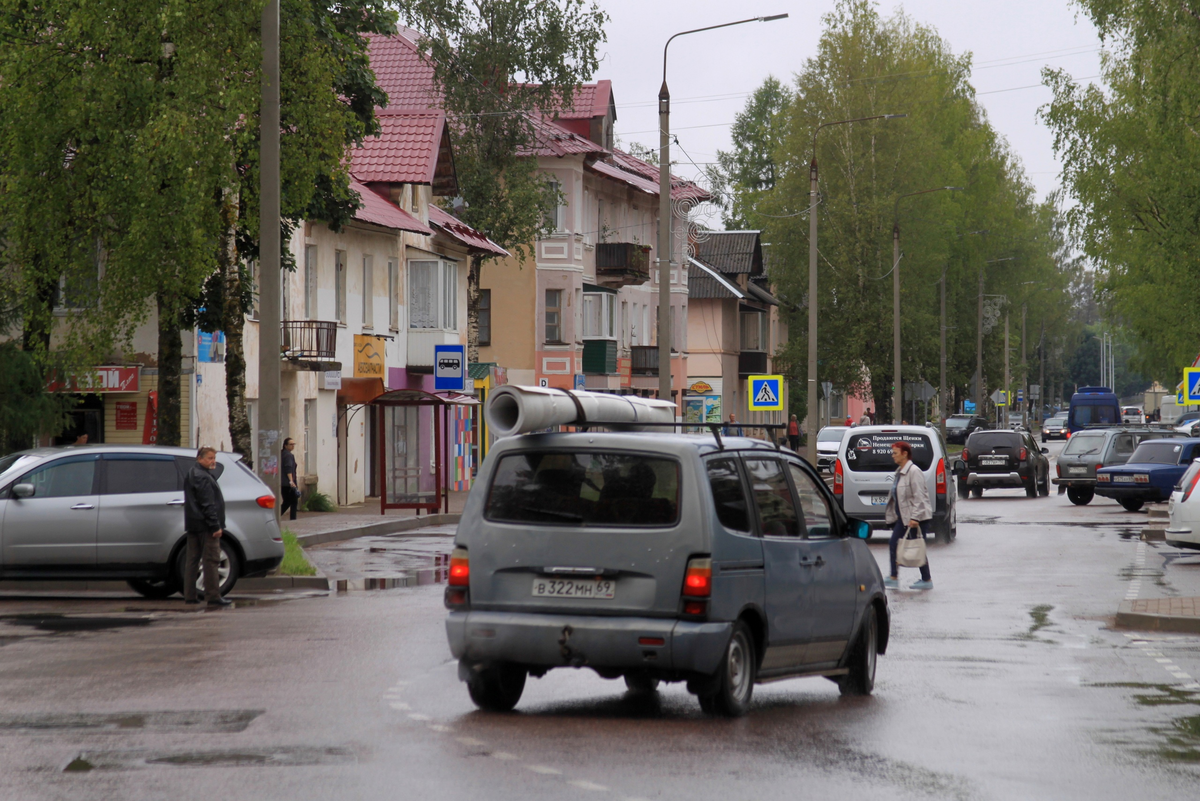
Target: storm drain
{"points": [[279, 757]]}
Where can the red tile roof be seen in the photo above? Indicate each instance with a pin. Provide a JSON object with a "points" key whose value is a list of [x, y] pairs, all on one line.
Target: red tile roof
{"points": [[464, 233], [381, 211], [644, 176], [591, 101], [402, 72], [554, 140], [406, 150]]}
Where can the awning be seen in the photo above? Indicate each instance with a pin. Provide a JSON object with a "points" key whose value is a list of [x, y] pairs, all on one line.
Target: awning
{"points": [[358, 391], [720, 279]]}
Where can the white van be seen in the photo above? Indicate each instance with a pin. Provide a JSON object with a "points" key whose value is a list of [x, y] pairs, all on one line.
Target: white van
{"points": [[864, 472]]}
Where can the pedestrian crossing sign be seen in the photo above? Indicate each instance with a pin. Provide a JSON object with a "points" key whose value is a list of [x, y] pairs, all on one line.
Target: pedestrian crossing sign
{"points": [[1191, 384], [765, 393]]}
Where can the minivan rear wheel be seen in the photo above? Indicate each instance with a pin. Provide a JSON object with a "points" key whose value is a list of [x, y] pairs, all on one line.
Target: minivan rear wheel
{"points": [[735, 676], [497, 688]]}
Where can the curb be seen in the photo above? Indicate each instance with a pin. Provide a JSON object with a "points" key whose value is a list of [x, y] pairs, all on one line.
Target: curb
{"points": [[381, 528], [1154, 534], [264, 584], [1143, 621]]}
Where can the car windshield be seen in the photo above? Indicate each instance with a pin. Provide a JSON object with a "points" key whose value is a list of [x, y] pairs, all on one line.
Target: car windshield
{"points": [[11, 461], [992, 440], [1157, 452], [831, 434], [957, 422], [872, 452], [584, 489], [1083, 445]]}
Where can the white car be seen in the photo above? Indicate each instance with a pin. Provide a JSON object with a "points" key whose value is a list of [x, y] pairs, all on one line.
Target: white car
{"points": [[1185, 423], [1183, 531], [1133, 415], [829, 439]]}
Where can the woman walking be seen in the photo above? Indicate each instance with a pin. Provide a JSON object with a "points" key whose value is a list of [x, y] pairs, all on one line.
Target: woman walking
{"points": [[793, 434], [908, 506]]}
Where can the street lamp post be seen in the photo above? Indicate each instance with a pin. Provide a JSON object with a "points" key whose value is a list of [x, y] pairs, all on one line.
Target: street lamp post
{"points": [[896, 385], [664, 210], [811, 420]]}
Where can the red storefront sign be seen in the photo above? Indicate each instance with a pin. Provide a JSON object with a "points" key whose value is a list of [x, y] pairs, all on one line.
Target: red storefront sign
{"points": [[126, 415], [99, 379]]}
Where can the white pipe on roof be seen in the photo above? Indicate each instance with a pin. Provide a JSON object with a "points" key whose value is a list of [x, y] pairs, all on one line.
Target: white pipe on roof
{"points": [[720, 278], [519, 410]]}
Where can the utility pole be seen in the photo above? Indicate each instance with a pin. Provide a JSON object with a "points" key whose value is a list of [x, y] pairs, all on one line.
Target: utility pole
{"points": [[897, 387], [942, 399], [979, 348], [1042, 369], [1024, 373], [1007, 380], [269, 261]]}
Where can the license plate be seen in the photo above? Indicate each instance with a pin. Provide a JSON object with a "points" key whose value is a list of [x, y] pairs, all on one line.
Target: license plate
{"points": [[1123, 479], [993, 461], [591, 589], [879, 500], [1077, 471]]}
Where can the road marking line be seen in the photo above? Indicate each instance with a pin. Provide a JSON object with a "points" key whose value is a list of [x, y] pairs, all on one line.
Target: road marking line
{"points": [[402, 707], [583, 784], [417, 716], [503, 755], [440, 728], [1163, 661], [545, 771], [471, 741]]}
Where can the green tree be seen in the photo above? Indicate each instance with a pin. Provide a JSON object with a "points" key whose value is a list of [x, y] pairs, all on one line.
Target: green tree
{"points": [[741, 176], [501, 65]]}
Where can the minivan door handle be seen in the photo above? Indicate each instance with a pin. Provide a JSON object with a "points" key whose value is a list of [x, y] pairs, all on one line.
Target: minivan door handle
{"points": [[83, 506], [176, 502]]}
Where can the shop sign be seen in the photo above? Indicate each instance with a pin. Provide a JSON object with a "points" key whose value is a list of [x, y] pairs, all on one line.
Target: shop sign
{"points": [[126, 415], [99, 379], [150, 428], [368, 356]]}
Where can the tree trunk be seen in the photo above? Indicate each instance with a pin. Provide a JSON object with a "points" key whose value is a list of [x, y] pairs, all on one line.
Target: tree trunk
{"points": [[170, 364], [473, 276], [233, 320]]}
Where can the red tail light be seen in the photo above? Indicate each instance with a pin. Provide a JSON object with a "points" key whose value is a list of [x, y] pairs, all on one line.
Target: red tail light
{"points": [[1187, 493], [266, 501], [966, 454], [1058, 469], [1023, 455], [838, 478], [1068, 434], [1099, 466], [940, 477], [697, 582], [460, 568]]}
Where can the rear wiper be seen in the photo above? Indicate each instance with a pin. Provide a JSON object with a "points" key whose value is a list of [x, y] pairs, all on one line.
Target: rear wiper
{"points": [[563, 515]]}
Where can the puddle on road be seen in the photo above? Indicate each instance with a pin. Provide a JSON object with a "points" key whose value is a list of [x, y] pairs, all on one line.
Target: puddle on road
{"points": [[1164, 694], [278, 757], [199, 721], [1183, 740], [56, 623], [1041, 619]]}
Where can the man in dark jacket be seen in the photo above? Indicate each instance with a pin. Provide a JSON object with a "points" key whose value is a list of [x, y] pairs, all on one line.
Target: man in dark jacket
{"points": [[289, 486], [203, 523]]}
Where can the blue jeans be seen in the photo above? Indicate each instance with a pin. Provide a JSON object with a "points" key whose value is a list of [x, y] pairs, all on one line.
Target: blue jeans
{"points": [[898, 530]]}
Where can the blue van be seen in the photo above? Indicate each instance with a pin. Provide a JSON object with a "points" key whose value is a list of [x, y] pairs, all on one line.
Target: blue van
{"points": [[1093, 407]]}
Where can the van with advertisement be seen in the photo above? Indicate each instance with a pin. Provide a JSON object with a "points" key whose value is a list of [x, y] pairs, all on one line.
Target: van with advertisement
{"points": [[1093, 407]]}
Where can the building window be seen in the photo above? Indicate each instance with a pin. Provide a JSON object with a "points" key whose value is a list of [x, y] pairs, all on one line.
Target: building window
{"points": [[368, 292], [340, 285], [485, 317], [310, 441], [554, 316], [598, 315], [754, 331], [393, 294], [310, 282], [553, 213], [433, 294], [625, 322], [285, 293]]}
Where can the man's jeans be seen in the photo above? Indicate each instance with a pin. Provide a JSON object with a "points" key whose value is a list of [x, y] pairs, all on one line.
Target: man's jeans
{"points": [[898, 530], [202, 544]]}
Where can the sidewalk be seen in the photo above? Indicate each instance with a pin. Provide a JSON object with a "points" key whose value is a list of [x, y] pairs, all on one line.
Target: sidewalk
{"points": [[364, 520], [1161, 614]]}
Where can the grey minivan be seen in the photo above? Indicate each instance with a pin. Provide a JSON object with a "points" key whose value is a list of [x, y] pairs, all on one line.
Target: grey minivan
{"points": [[116, 512], [720, 562], [1086, 451]]}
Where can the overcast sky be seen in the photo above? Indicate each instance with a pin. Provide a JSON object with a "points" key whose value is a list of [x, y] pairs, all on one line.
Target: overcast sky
{"points": [[711, 73]]}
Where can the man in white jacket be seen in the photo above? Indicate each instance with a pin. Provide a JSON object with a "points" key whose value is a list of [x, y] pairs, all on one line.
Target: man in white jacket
{"points": [[907, 506]]}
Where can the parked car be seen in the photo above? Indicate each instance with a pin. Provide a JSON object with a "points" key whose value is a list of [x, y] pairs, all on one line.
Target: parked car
{"points": [[1016, 422], [115, 512], [1133, 415], [993, 459], [961, 426], [1186, 423], [1183, 530], [1093, 407], [1088, 451], [828, 440], [864, 471], [1151, 473], [659, 557], [1055, 427]]}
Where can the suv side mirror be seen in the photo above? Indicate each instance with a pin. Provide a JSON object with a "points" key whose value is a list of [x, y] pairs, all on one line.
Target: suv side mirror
{"points": [[958, 467], [1045, 450], [859, 528], [23, 491]]}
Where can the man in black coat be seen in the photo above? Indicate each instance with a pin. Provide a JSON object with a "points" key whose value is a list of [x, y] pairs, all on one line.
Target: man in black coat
{"points": [[203, 523], [289, 486]]}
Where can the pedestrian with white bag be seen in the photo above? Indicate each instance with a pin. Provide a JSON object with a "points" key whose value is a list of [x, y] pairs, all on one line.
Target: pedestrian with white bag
{"points": [[909, 512]]}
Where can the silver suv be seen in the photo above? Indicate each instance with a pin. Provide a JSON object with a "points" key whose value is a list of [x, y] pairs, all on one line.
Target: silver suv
{"points": [[659, 557], [1088, 451], [116, 512], [864, 472]]}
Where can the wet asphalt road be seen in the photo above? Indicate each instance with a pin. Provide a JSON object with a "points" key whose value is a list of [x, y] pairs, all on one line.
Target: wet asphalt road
{"points": [[1004, 682]]}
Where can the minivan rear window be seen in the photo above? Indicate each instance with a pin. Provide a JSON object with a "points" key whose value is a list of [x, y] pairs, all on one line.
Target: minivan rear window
{"points": [[582, 488], [872, 453], [1087, 414]]}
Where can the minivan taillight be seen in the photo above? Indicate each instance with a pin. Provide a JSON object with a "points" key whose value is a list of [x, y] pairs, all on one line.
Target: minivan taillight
{"points": [[266, 501], [838, 478], [940, 477], [697, 582], [460, 568]]}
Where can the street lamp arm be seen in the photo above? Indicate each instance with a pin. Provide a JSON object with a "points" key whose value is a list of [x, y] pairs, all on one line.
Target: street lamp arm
{"points": [[847, 122], [771, 18]]}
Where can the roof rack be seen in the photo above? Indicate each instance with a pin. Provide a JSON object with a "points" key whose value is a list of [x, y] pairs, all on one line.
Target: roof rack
{"points": [[714, 428]]}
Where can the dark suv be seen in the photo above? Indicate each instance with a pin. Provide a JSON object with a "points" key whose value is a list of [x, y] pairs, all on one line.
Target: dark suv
{"points": [[1003, 459], [961, 426]]}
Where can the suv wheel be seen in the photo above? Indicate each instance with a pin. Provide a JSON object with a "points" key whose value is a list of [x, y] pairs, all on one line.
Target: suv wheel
{"points": [[1080, 496], [977, 492], [963, 490], [861, 678], [497, 688], [735, 676], [1132, 504], [1031, 488], [1044, 489], [227, 569]]}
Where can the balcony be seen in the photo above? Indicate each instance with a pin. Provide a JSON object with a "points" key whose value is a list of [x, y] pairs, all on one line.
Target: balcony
{"points": [[643, 360], [309, 340], [421, 344], [621, 264], [752, 362], [600, 356]]}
